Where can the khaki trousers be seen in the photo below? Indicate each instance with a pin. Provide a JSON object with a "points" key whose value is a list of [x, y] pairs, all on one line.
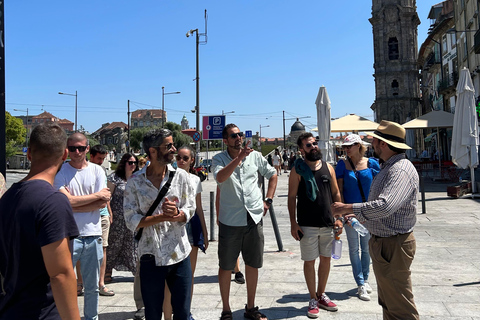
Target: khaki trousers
{"points": [[391, 261], [137, 292]]}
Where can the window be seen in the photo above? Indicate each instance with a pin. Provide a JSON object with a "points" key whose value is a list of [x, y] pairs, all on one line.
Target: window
{"points": [[465, 49], [393, 52], [109, 140], [140, 124], [395, 87], [135, 124]]}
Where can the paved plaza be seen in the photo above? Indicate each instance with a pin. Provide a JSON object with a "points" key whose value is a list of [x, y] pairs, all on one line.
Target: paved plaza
{"points": [[445, 272]]}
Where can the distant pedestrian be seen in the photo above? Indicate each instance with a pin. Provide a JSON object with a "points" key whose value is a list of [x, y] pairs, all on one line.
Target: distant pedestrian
{"points": [[277, 161], [390, 216], [312, 188], [240, 218], [353, 173], [36, 226]]}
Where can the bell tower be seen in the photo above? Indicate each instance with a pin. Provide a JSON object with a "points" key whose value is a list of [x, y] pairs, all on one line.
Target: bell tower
{"points": [[397, 91]]}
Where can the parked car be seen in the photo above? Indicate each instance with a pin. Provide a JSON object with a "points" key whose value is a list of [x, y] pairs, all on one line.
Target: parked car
{"points": [[207, 164]]}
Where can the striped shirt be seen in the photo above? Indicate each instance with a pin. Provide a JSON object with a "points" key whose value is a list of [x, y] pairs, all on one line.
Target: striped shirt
{"points": [[392, 203]]}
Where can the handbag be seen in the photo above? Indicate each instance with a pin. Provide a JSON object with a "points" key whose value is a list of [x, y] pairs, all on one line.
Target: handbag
{"points": [[155, 203], [358, 180]]}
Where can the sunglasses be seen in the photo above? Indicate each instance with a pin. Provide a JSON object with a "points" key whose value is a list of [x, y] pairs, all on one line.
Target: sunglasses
{"points": [[79, 148], [348, 147], [309, 145], [167, 147], [184, 158], [235, 135], [132, 163]]}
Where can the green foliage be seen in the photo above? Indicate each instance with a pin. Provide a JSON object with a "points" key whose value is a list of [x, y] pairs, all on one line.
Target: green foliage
{"points": [[267, 148], [180, 139], [14, 129], [136, 137], [92, 142]]}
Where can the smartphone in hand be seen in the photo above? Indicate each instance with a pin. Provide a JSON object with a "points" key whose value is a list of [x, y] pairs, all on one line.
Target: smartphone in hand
{"points": [[300, 234]]}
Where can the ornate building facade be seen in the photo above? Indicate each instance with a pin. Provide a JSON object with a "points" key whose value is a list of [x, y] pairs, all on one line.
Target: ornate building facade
{"points": [[397, 90]]}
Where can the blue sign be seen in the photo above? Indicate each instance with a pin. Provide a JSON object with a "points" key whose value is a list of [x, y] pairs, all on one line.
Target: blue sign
{"points": [[196, 136], [213, 127], [25, 150], [248, 134]]}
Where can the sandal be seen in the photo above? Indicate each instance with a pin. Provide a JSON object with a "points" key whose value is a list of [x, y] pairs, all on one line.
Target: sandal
{"points": [[105, 292], [226, 315], [79, 289], [254, 314]]}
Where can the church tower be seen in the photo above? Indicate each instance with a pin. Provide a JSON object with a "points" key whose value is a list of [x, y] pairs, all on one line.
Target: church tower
{"points": [[397, 92]]}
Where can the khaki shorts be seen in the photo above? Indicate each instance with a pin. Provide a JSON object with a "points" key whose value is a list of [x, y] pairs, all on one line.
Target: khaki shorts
{"points": [[316, 242], [105, 229]]}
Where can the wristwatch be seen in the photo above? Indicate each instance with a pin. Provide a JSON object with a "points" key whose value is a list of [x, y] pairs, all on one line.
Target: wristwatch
{"points": [[269, 201]]}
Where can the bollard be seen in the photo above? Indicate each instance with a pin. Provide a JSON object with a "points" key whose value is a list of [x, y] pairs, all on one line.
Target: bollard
{"points": [[275, 229], [422, 191], [212, 217]]}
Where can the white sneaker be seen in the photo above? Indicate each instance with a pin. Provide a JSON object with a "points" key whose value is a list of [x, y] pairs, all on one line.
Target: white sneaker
{"points": [[362, 293], [367, 286]]}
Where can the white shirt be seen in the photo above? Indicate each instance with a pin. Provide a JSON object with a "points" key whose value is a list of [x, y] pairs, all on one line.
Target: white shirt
{"points": [[167, 241], [82, 182]]}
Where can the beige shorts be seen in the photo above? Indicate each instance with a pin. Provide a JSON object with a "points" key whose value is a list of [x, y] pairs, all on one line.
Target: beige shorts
{"points": [[105, 229], [316, 242]]}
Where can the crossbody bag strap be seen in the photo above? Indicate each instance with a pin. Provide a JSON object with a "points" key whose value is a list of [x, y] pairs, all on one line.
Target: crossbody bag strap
{"points": [[358, 180], [155, 203]]}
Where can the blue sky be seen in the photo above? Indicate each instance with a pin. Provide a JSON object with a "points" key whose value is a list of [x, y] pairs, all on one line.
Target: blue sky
{"points": [[262, 58]]}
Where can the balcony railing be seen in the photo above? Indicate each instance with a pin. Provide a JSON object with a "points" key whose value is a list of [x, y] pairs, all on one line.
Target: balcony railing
{"points": [[476, 42], [448, 82]]}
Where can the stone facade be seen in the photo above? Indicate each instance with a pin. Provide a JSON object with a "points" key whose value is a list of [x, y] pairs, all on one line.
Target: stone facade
{"points": [[394, 24]]}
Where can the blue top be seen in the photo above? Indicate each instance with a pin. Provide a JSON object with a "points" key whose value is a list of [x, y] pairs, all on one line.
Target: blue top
{"points": [[240, 193], [351, 191]]}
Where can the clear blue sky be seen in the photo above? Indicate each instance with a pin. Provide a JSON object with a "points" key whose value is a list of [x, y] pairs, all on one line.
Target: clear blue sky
{"points": [[262, 57]]}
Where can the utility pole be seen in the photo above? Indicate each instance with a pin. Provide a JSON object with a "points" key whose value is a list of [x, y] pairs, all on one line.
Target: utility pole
{"points": [[128, 115]]}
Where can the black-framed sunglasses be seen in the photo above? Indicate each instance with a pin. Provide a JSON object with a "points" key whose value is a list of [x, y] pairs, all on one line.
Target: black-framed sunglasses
{"points": [[132, 163], [348, 147], [234, 135], [184, 158], [309, 145], [79, 148]]}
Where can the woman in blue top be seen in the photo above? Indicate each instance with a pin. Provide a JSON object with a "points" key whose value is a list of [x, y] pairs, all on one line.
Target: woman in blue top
{"points": [[364, 169]]}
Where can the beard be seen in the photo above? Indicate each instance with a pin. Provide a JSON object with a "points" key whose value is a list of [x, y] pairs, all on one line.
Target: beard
{"points": [[314, 155], [166, 158]]}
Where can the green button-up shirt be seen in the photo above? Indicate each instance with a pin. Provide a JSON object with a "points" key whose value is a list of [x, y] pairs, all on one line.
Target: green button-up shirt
{"points": [[240, 193]]}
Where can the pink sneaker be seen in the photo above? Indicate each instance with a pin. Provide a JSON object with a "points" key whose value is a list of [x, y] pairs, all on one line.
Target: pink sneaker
{"points": [[312, 309], [324, 302]]}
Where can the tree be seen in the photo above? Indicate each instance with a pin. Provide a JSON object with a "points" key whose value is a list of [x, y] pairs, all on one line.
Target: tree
{"points": [[179, 138], [14, 133]]}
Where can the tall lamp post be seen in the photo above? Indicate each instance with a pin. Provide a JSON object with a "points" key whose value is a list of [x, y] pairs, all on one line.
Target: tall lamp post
{"points": [[75, 95], [163, 104], [197, 79], [26, 126], [260, 137]]}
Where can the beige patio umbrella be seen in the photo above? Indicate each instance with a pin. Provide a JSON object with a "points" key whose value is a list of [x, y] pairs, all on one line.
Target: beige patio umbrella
{"points": [[433, 119], [351, 123]]}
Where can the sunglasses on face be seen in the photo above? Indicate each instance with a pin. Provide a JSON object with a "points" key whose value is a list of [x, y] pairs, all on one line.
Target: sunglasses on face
{"points": [[79, 148], [348, 147], [309, 145], [132, 163], [184, 158], [234, 135]]}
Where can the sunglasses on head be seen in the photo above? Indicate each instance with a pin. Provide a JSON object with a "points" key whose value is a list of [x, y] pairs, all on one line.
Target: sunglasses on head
{"points": [[184, 158], [79, 148], [132, 163], [309, 145], [348, 147], [234, 135]]}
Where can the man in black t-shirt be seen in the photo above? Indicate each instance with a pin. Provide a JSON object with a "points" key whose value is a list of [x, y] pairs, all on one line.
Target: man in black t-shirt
{"points": [[314, 182], [36, 226]]}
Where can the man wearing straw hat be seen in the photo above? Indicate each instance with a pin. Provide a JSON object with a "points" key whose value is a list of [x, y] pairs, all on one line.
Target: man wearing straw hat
{"points": [[390, 215]]}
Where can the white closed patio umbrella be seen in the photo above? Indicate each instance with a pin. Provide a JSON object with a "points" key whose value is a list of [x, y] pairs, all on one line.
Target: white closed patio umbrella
{"points": [[465, 127], [323, 123]]}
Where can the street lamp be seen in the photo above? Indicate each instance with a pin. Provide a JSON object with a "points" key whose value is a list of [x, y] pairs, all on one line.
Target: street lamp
{"points": [[260, 137], [163, 103], [197, 79], [26, 126], [75, 95]]}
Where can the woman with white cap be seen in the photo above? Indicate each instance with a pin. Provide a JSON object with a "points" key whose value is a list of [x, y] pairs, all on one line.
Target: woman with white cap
{"points": [[354, 177]]}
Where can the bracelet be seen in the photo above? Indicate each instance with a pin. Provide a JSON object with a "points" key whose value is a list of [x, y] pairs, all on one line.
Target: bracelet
{"points": [[340, 219]]}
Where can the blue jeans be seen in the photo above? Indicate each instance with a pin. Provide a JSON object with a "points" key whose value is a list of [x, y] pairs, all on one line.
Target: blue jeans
{"points": [[360, 262], [89, 250], [152, 281]]}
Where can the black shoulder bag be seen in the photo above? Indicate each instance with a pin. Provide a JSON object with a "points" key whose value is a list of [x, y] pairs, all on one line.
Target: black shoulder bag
{"points": [[155, 203], [358, 180]]}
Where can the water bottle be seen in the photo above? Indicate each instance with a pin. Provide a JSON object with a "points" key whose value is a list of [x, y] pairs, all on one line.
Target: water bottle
{"points": [[358, 227], [336, 247]]}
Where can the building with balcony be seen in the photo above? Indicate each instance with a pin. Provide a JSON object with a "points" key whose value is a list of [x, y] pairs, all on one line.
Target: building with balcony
{"points": [[147, 118], [113, 136]]}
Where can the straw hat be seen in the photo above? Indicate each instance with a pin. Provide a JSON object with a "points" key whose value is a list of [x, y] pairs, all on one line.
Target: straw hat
{"points": [[392, 133]]}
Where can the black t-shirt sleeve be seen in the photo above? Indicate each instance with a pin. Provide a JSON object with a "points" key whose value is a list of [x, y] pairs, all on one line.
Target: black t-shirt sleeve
{"points": [[55, 220]]}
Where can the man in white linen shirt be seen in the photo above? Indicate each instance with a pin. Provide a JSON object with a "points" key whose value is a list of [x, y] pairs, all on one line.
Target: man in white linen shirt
{"points": [[164, 247]]}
